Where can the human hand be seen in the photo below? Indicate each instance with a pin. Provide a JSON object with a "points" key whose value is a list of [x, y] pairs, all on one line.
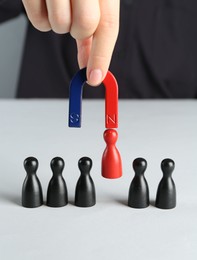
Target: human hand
{"points": [[93, 23]]}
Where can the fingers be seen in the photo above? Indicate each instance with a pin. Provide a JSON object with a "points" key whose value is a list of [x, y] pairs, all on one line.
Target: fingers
{"points": [[103, 42], [85, 18], [94, 24], [59, 15], [56, 15], [46, 14], [37, 13]]}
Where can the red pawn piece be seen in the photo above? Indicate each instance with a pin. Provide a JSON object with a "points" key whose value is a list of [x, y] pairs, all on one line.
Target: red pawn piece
{"points": [[111, 160]]}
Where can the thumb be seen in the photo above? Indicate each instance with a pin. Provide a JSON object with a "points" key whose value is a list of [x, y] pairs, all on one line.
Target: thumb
{"points": [[103, 42]]}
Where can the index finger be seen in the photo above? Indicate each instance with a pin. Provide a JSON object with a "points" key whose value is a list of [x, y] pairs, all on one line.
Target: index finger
{"points": [[103, 42]]}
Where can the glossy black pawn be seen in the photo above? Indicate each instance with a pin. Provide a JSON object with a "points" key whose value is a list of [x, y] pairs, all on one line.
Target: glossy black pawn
{"points": [[166, 192], [32, 196], [85, 195], [139, 191], [57, 195]]}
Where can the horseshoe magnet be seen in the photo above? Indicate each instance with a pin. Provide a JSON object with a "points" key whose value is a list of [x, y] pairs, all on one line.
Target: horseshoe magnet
{"points": [[111, 99]]}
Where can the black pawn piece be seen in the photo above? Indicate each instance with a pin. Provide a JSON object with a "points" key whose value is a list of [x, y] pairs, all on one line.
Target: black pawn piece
{"points": [[139, 191], [57, 191], [166, 192], [85, 195], [32, 196]]}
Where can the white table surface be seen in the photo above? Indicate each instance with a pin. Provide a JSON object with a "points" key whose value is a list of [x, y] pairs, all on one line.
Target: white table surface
{"points": [[110, 230]]}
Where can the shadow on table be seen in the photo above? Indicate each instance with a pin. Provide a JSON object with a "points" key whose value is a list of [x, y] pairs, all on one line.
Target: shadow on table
{"points": [[14, 199], [71, 200], [125, 202], [122, 202], [152, 202]]}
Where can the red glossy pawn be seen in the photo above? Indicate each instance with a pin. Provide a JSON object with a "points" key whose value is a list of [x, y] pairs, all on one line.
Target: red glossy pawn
{"points": [[111, 160]]}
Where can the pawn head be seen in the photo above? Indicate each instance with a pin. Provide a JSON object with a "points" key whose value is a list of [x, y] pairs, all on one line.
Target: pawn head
{"points": [[31, 164], [85, 164], [167, 166], [139, 165], [110, 136], [57, 164]]}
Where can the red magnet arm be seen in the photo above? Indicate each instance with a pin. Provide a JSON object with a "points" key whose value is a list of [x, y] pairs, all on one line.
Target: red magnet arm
{"points": [[111, 101]]}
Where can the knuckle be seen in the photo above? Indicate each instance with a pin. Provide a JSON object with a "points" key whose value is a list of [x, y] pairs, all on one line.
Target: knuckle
{"points": [[59, 23], [110, 23], [101, 59], [41, 23], [87, 22], [85, 25]]}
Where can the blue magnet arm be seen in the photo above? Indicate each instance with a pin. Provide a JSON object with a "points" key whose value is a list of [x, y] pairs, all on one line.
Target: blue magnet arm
{"points": [[75, 98]]}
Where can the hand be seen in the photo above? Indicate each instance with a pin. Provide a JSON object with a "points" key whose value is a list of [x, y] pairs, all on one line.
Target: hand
{"points": [[93, 23]]}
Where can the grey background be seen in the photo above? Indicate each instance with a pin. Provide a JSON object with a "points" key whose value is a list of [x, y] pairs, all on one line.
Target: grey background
{"points": [[12, 35]]}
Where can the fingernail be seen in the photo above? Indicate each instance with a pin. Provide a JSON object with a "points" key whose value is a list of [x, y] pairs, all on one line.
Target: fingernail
{"points": [[95, 77]]}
